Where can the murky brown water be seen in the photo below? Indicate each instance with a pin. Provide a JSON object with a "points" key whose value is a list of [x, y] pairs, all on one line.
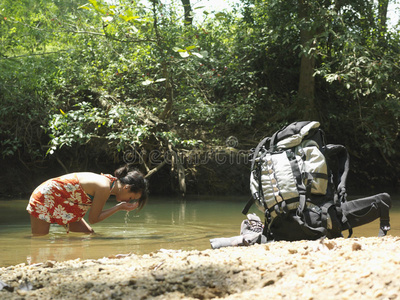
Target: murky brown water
{"points": [[169, 223]]}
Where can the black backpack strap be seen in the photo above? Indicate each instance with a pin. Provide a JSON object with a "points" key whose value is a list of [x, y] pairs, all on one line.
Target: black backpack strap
{"points": [[345, 223], [302, 189], [340, 154], [274, 140], [384, 225], [344, 167], [362, 211], [304, 192], [257, 150], [249, 203], [314, 232], [324, 213]]}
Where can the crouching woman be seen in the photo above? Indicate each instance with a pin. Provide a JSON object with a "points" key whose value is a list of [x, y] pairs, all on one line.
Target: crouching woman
{"points": [[65, 200]]}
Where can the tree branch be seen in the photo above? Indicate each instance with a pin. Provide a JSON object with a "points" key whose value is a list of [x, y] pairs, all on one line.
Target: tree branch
{"points": [[33, 54], [152, 171]]}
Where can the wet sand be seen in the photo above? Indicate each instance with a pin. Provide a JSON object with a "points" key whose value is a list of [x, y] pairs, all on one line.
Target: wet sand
{"points": [[355, 268]]}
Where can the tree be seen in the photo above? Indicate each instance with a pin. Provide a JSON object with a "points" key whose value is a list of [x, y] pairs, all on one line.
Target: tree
{"points": [[121, 78], [306, 90], [382, 20], [188, 12]]}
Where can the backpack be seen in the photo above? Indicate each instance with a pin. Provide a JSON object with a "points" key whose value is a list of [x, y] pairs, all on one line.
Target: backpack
{"points": [[299, 183]]}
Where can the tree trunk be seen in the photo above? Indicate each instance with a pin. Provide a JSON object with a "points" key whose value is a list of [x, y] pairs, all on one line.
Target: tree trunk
{"points": [[188, 12], [382, 19], [306, 91], [169, 91]]}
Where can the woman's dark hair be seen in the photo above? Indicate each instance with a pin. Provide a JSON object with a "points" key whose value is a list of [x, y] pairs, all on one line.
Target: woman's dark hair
{"points": [[136, 180]]}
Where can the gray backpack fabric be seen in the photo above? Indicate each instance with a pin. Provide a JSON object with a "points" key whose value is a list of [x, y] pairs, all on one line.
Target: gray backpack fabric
{"points": [[291, 182]]}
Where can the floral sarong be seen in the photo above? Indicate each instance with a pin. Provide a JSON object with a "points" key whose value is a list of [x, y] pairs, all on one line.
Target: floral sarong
{"points": [[60, 200]]}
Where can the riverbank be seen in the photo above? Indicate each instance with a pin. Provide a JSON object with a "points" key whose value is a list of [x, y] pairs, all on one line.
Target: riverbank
{"points": [[356, 268]]}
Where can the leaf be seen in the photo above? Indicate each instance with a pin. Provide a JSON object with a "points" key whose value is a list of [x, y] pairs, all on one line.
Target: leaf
{"points": [[127, 19], [197, 54], [134, 29], [221, 16], [147, 82], [184, 54], [204, 53], [96, 6], [190, 48], [131, 18], [107, 19], [83, 7]]}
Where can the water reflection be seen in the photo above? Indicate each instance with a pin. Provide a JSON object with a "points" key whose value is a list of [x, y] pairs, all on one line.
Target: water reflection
{"points": [[163, 223]]}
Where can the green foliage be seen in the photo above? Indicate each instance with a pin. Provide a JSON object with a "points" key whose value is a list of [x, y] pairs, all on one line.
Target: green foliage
{"points": [[24, 102], [118, 124], [125, 74], [362, 77]]}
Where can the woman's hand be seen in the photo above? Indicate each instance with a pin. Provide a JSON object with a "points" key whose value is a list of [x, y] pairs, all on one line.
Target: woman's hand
{"points": [[128, 206]]}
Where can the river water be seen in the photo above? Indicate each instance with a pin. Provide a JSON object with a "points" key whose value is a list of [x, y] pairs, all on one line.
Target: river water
{"points": [[165, 223]]}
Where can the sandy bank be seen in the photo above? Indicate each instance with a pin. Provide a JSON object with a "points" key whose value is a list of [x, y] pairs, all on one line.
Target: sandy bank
{"points": [[358, 268]]}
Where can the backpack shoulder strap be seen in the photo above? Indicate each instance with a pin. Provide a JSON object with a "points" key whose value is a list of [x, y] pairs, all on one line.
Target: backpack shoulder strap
{"points": [[251, 201], [340, 154], [257, 150]]}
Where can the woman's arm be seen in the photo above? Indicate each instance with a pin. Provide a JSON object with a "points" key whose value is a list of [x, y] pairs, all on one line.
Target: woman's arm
{"points": [[99, 186], [101, 195], [95, 218]]}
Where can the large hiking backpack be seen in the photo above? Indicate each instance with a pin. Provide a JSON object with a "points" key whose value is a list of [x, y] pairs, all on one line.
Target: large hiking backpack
{"points": [[299, 182]]}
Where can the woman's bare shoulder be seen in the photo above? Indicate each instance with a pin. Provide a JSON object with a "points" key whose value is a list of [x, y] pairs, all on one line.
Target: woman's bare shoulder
{"points": [[92, 179]]}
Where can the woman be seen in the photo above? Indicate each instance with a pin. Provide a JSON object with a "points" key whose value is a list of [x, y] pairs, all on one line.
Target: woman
{"points": [[65, 200]]}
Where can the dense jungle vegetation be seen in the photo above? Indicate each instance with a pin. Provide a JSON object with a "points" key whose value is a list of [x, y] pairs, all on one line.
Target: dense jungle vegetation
{"points": [[183, 92]]}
